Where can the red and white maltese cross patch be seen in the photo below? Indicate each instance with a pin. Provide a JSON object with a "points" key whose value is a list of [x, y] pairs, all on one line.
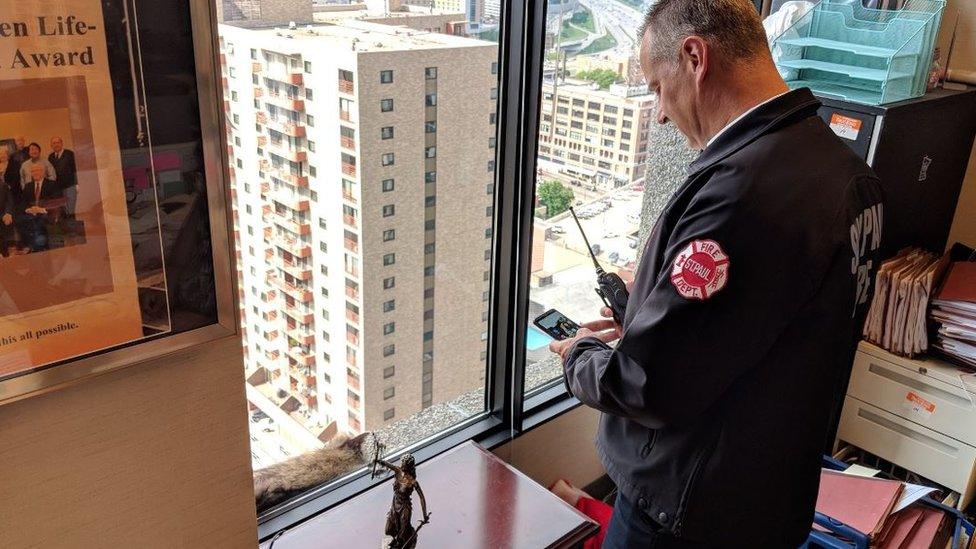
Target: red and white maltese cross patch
{"points": [[700, 270]]}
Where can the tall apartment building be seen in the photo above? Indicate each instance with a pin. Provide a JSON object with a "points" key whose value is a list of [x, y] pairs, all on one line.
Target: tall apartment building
{"points": [[596, 133], [362, 170]]}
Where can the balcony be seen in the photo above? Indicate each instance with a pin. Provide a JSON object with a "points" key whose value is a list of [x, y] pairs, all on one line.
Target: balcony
{"points": [[261, 117], [298, 294], [350, 220], [265, 188], [351, 245], [285, 126], [284, 73], [297, 270], [299, 313], [297, 227], [300, 357], [345, 115], [302, 336], [284, 101], [352, 292], [291, 200], [258, 92], [256, 67], [289, 177], [262, 140], [352, 316], [348, 196], [282, 149], [293, 246], [348, 169], [347, 143], [346, 86], [264, 164], [353, 382]]}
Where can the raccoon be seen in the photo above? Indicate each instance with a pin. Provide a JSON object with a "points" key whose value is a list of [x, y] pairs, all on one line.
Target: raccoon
{"points": [[282, 481]]}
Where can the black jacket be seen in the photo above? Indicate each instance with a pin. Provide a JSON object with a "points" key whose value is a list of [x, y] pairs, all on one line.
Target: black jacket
{"points": [[7, 202], [49, 189], [65, 168], [717, 397]]}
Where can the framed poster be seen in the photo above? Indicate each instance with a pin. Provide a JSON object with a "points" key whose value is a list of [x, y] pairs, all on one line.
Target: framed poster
{"points": [[111, 200]]}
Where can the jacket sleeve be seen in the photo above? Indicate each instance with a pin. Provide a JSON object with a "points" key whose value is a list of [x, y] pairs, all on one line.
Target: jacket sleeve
{"points": [[680, 353]]}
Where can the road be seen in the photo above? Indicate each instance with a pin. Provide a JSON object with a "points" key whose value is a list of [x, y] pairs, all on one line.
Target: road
{"points": [[621, 20]]}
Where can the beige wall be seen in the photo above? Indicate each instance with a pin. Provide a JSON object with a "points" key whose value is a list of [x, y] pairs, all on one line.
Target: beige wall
{"points": [[561, 448], [154, 455], [38, 127]]}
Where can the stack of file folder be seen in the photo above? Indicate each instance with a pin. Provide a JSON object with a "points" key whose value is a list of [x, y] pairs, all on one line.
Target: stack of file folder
{"points": [[954, 314], [887, 511], [897, 317]]}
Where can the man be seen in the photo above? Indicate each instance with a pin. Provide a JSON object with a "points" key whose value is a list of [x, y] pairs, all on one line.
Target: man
{"points": [[741, 318], [7, 206], [34, 157], [63, 161], [31, 212], [20, 154]]}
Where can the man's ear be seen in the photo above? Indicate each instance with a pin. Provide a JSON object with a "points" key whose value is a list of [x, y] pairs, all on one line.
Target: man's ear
{"points": [[695, 51]]}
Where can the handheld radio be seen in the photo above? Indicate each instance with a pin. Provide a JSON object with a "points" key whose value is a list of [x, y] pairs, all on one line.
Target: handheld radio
{"points": [[612, 289]]}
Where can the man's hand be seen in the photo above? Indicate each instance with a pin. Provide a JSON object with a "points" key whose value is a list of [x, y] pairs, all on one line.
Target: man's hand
{"points": [[628, 278], [605, 330], [7, 219]]}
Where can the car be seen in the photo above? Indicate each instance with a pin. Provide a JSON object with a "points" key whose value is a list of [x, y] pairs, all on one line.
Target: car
{"points": [[258, 416], [610, 234], [613, 256], [557, 229], [632, 245]]}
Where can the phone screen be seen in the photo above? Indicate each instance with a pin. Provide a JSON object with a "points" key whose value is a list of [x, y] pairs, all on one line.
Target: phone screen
{"points": [[556, 325]]}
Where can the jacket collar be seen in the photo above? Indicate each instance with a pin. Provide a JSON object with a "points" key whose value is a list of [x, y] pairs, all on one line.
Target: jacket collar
{"points": [[781, 111]]}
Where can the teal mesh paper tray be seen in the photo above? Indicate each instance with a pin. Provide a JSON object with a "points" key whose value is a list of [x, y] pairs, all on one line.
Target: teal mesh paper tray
{"points": [[844, 50]]}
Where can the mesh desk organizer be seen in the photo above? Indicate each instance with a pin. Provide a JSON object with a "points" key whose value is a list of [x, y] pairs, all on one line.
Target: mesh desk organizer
{"points": [[841, 536], [843, 50]]}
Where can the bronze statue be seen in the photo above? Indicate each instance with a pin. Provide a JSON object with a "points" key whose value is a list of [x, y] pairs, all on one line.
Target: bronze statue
{"points": [[398, 518]]}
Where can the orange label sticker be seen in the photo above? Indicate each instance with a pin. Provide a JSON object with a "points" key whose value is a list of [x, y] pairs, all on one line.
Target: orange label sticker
{"points": [[918, 405], [845, 126]]}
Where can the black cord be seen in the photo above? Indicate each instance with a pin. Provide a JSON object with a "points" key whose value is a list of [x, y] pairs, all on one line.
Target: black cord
{"points": [[275, 538]]}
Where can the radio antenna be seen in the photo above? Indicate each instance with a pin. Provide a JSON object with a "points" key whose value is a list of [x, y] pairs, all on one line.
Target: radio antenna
{"points": [[599, 269]]}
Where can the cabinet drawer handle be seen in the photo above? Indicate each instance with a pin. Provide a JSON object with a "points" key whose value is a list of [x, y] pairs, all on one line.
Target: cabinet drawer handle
{"points": [[910, 433], [918, 385]]}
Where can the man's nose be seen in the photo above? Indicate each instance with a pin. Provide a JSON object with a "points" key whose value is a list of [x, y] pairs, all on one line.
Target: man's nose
{"points": [[661, 117]]}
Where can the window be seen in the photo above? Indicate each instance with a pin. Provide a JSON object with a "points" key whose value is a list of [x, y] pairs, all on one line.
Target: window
{"points": [[429, 248], [491, 118], [430, 177], [429, 271], [388, 235], [431, 100], [389, 283], [430, 126], [494, 67], [389, 350], [431, 73], [430, 152], [389, 328], [491, 165], [430, 201], [389, 259], [308, 67], [387, 159], [308, 93], [389, 210], [386, 132], [386, 77], [389, 414], [311, 146], [494, 93], [310, 120], [386, 105], [389, 372], [389, 305], [491, 142]]}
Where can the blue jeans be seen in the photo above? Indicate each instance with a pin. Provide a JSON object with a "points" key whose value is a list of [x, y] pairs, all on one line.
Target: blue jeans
{"points": [[632, 528]]}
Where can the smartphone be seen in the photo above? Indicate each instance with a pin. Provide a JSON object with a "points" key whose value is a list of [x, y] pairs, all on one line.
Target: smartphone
{"points": [[556, 325]]}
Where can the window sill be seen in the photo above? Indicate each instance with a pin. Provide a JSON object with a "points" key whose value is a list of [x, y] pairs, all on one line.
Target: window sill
{"points": [[541, 406]]}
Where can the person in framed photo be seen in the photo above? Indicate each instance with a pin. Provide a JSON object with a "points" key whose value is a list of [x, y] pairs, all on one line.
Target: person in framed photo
{"points": [[7, 207], [32, 212], [63, 161], [10, 173], [34, 158]]}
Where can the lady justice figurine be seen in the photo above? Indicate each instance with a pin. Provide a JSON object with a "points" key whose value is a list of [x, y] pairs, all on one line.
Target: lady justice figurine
{"points": [[398, 518]]}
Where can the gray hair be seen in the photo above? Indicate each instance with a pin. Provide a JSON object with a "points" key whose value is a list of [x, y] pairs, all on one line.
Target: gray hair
{"points": [[733, 26]]}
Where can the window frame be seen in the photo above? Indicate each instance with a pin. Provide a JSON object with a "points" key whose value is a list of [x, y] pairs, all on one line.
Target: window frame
{"points": [[508, 411]]}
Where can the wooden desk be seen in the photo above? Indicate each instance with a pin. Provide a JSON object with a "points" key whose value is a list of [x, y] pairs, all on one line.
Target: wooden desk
{"points": [[475, 499]]}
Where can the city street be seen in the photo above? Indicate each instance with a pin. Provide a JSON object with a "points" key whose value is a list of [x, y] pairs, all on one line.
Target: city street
{"points": [[621, 20]]}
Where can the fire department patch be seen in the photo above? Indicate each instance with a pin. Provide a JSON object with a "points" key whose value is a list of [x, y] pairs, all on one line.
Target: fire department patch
{"points": [[700, 270]]}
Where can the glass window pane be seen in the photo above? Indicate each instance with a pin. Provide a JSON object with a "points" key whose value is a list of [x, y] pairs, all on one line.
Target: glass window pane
{"points": [[304, 389], [588, 96]]}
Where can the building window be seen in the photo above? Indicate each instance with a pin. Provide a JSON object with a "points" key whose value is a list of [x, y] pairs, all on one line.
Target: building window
{"points": [[430, 177], [308, 94], [431, 73], [389, 210], [389, 328], [386, 105], [430, 126], [389, 350], [488, 233], [388, 235], [491, 118], [430, 225], [429, 248], [430, 152], [308, 67], [431, 100], [491, 142], [389, 372], [389, 283], [491, 165], [388, 414], [389, 259], [494, 67], [311, 146], [387, 159], [387, 185], [389, 305], [494, 93], [428, 336], [386, 77], [386, 132], [429, 271], [430, 201], [310, 120]]}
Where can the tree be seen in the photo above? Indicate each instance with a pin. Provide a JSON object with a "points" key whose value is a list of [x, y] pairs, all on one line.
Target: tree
{"points": [[603, 77], [555, 197]]}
